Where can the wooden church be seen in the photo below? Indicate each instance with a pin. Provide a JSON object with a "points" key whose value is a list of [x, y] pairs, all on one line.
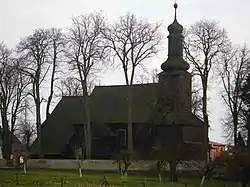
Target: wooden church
{"points": [[167, 102]]}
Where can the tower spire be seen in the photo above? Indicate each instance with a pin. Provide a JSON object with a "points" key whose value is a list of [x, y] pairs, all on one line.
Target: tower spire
{"points": [[175, 11], [175, 59]]}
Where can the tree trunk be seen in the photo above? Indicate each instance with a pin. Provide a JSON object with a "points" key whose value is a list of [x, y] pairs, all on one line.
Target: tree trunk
{"points": [[159, 166], [12, 129], [52, 80], [235, 125], [130, 122], [48, 104], [122, 177], [248, 131], [88, 135], [205, 118], [39, 128], [79, 167], [5, 138], [10, 144], [80, 172], [125, 175], [24, 168], [159, 176], [173, 171]]}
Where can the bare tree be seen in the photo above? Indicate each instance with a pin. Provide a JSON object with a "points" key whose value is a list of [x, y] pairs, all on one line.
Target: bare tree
{"points": [[18, 100], [196, 103], [6, 90], [245, 96], [57, 44], [87, 54], [26, 132], [133, 41], [34, 52], [77, 143], [148, 77], [12, 93], [233, 71], [70, 86], [204, 41], [79, 152]]}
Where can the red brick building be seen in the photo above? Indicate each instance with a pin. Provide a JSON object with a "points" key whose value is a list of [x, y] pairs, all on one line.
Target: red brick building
{"points": [[216, 149]]}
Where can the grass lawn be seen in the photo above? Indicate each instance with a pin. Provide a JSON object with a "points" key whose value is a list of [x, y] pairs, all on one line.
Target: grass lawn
{"points": [[53, 178]]}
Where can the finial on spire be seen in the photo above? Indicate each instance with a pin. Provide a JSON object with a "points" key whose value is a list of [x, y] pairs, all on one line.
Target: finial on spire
{"points": [[175, 7]]}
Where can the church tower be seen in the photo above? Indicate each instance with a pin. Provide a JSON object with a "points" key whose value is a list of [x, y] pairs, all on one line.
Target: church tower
{"points": [[175, 80]]}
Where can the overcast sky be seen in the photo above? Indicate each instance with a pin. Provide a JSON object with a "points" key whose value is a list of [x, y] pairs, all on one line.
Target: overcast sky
{"points": [[19, 18]]}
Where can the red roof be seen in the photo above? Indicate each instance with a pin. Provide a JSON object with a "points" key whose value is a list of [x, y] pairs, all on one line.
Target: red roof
{"points": [[216, 143]]}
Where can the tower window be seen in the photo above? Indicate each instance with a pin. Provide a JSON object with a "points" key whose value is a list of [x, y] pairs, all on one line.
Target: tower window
{"points": [[121, 137]]}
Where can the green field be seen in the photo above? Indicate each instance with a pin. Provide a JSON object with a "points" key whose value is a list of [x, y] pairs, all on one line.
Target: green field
{"points": [[70, 178]]}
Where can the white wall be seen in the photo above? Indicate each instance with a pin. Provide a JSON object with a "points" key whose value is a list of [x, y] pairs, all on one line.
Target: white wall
{"points": [[108, 165]]}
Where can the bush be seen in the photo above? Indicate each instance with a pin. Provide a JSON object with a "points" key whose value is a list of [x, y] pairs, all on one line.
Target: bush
{"points": [[234, 165]]}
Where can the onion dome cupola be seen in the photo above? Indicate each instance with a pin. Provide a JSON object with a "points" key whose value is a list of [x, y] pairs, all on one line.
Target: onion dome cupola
{"points": [[175, 27], [175, 59]]}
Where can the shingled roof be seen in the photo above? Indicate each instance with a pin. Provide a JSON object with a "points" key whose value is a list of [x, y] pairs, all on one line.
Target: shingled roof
{"points": [[58, 128], [109, 104]]}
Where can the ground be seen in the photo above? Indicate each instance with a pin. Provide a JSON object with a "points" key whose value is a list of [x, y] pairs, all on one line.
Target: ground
{"points": [[71, 178]]}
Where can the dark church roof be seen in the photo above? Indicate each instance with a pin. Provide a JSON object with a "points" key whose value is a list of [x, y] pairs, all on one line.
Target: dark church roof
{"points": [[58, 128], [110, 103]]}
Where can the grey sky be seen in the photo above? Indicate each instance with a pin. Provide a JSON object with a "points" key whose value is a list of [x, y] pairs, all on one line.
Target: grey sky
{"points": [[19, 18]]}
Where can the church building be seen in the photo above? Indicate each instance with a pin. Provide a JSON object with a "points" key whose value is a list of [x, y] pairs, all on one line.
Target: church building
{"points": [[109, 113]]}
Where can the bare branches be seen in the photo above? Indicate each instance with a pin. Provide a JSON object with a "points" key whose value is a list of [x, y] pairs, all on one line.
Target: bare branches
{"points": [[6, 76], [204, 42], [233, 71], [34, 52], [196, 103], [148, 77], [71, 86], [56, 49], [12, 92], [133, 41], [87, 54], [6, 94]]}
